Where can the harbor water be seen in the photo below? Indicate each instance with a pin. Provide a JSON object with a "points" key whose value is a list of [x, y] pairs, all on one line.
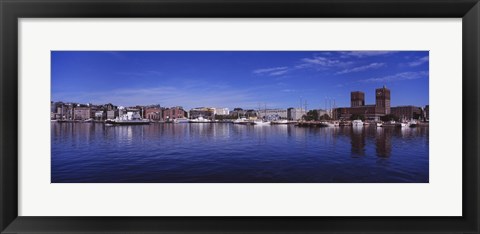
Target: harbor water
{"points": [[230, 153]]}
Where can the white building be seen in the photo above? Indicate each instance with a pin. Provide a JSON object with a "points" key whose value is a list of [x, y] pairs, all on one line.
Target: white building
{"points": [[296, 113], [273, 113], [222, 111]]}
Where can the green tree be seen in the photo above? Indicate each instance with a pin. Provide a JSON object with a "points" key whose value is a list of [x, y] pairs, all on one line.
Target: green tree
{"points": [[325, 117], [311, 115]]}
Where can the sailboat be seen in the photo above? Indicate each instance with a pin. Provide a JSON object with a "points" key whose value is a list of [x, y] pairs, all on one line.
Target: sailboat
{"points": [[262, 122]]}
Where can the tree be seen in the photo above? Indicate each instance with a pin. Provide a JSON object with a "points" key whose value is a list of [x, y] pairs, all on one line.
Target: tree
{"points": [[311, 115], [357, 116], [389, 117], [325, 117]]}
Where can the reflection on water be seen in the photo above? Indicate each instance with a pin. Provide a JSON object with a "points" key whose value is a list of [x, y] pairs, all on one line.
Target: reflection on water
{"points": [[173, 153]]}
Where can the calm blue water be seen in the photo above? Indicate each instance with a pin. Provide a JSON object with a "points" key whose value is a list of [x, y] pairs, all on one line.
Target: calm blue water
{"points": [[221, 152]]}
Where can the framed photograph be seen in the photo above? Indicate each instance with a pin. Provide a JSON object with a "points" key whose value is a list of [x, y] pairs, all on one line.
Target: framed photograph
{"points": [[254, 116]]}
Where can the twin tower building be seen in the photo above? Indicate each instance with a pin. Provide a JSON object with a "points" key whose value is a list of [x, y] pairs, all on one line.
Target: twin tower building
{"points": [[358, 107]]}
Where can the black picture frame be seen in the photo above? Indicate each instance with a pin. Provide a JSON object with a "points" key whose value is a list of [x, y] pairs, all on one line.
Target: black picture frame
{"points": [[12, 10]]}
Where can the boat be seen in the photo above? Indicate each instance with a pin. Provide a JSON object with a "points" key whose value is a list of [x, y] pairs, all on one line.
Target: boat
{"points": [[412, 123], [402, 124], [181, 120], [280, 121], [243, 121], [260, 122], [379, 124], [200, 120], [390, 123], [331, 123], [130, 118], [357, 123]]}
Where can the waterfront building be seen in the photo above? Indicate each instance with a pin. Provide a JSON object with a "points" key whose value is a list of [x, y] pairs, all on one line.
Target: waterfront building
{"points": [[60, 110], [173, 113], [382, 99], [137, 109], [222, 111], [273, 113], [357, 98], [100, 115], [112, 114], [81, 113], [53, 107], [153, 113], [295, 113], [109, 107], [358, 107], [205, 112], [121, 111], [407, 112], [93, 110], [238, 112]]}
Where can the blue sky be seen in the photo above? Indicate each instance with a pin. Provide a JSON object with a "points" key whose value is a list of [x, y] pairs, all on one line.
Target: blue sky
{"points": [[246, 79]]}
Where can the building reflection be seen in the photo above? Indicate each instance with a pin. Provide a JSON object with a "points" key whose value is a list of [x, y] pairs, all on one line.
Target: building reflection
{"points": [[383, 141], [357, 141]]}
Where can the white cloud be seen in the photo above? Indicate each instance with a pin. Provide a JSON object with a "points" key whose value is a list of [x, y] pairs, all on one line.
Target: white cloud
{"points": [[273, 71], [322, 61], [399, 77], [362, 68], [277, 73], [418, 62]]}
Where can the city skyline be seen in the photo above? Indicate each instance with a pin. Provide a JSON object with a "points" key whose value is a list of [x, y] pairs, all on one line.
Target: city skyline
{"points": [[246, 79]]}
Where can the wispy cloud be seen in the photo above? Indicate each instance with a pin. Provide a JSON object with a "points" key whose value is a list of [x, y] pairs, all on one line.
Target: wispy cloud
{"points": [[419, 61], [273, 71], [362, 54], [362, 68], [399, 77], [322, 61]]}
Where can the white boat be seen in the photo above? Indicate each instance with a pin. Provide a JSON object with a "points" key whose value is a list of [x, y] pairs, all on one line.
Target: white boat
{"points": [[412, 123], [281, 121], [330, 124], [200, 120], [402, 124], [243, 121], [261, 122], [240, 121], [379, 124], [180, 120], [357, 123]]}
